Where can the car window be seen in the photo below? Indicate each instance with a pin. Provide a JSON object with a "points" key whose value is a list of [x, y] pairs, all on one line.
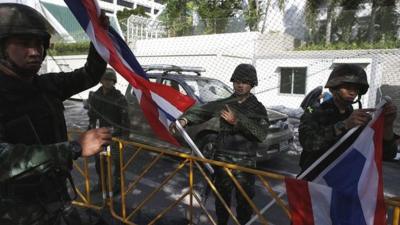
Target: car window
{"points": [[174, 84], [209, 89]]}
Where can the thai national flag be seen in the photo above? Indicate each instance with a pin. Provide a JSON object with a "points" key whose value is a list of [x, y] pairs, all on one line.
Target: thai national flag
{"points": [[349, 190], [161, 104]]}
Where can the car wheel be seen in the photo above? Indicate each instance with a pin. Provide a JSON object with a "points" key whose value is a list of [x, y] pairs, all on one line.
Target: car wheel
{"points": [[206, 145]]}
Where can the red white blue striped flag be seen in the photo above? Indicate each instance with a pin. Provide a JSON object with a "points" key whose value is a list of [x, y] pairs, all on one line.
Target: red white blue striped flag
{"points": [[345, 185], [160, 104]]}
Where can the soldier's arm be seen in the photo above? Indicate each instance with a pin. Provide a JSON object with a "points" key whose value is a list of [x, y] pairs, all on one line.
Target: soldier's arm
{"points": [[92, 110], [390, 148], [66, 84], [198, 114], [253, 127], [19, 159], [313, 136]]}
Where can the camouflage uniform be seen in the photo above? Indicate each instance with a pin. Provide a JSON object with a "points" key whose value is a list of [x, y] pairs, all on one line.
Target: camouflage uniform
{"points": [[317, 133], [35, 157], [234, 144], [111, 111]]}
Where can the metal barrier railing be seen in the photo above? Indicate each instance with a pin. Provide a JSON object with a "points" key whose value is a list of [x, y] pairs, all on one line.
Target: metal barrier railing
{"points": [[195, 171]]}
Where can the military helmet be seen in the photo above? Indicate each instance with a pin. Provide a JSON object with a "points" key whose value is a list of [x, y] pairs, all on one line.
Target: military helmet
{"points": [[348, 74], [19, 19], [245, 73], [110, 75]]}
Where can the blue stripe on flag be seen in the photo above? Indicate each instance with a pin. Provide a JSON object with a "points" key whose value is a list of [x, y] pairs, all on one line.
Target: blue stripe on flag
{"points": [[78, 9], [125, 52], [169, 116], [344, 178]]}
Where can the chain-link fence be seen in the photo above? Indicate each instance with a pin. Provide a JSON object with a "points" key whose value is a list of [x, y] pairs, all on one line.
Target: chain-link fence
{"points": [[294, 47]]}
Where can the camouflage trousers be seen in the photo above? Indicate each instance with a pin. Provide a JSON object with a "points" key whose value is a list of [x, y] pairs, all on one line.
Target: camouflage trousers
{"points": [[17, 212], [225, 187]]}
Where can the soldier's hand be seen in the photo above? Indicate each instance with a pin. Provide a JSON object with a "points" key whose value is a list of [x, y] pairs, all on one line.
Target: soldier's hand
{"points": [[358, 117], [390, 113], [104, 20], [228, 115], [172, 127], [92, 140]]}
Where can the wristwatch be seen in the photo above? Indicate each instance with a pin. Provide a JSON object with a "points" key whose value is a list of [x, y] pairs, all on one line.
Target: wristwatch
{"points": [[76, 149]]}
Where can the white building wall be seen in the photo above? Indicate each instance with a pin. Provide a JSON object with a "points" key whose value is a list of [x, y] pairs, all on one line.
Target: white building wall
{"points": [[220, 54]]}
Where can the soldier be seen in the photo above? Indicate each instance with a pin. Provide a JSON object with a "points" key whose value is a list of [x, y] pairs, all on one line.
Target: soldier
{"points": [[35, 156], [243, 123], [322, 127], [108, 106]]}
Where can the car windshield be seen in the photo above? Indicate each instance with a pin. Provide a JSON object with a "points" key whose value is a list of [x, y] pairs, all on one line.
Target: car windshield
{"points": [[209, 90]]}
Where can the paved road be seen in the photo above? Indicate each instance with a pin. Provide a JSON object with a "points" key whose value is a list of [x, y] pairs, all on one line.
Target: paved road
{"points": [[282, 163]]}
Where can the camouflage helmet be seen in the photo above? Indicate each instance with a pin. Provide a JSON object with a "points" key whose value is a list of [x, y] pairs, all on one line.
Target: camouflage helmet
{"points": [[348, 74], [245, 73], [19, 19], [110, 75]]}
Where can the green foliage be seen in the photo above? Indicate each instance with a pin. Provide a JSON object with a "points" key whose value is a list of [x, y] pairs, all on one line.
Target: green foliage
{"points": [[61, 48], [126, 13], [252, 15], [177, 17], [388, 44], [342, 24], [216, 13]]}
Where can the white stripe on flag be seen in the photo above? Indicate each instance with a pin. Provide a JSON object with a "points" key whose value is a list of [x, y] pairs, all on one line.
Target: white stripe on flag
{"points": [[320, 196], [123, 60], [103, 51], [138, 93], [369, 180], [98, 9], [163, 119], [165, 105]]}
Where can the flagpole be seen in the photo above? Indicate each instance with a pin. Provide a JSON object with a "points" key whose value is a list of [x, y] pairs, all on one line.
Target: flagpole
{"points": [[192, 145], [385, 99]]}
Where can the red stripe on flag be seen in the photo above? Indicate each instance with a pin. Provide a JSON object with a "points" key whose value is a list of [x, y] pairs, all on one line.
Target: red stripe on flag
{"points": [[149, 108], [299, 202], [380, 210], [168, 93], [151, 113]]}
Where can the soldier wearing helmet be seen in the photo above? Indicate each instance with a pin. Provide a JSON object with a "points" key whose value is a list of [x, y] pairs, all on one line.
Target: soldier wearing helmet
{"points": [[108, 108], [321, 127], [243, 124], [35, 154]]}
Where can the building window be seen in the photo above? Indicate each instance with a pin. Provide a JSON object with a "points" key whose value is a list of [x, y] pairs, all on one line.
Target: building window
{"points": [[147, 9], [293, 80], [125, 3]]}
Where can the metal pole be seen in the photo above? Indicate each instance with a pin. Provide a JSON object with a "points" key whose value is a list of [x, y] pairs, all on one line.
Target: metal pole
{"points": [[192, 145]]}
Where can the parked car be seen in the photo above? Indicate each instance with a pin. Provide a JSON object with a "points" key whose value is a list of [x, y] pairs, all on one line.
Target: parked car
{"points": [[188, 81]]}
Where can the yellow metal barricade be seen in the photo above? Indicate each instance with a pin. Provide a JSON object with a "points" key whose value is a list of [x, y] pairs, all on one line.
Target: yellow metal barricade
{"points": [[191, 167]]}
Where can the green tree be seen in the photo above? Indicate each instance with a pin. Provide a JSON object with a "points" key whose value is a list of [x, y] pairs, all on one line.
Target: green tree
{"points": [[126, 13], [177, 16], [312, 9], [346, 27], [216, 13], [346, 20], [252, 14], [383, 21]]}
